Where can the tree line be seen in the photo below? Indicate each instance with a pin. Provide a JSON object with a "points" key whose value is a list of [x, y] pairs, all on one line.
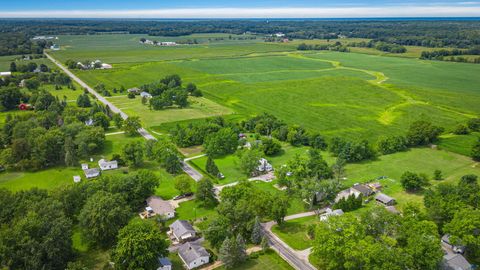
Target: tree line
{"points": [[451, 55]]}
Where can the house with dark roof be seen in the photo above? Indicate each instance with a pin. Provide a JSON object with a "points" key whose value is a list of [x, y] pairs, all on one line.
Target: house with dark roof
{"points": [[385, 199], [193, 255], [182, 230], [164, 264], [453, 261]]}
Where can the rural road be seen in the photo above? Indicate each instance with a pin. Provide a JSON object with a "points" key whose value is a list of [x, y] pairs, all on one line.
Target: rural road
{"points": [[185, 166], [294, 258]]}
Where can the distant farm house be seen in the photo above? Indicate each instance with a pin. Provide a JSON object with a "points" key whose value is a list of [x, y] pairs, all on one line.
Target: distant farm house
{"points": [[156, 43]]}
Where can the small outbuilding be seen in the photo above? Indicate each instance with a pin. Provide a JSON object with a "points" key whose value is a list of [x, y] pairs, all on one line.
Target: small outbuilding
{"points": [[193, 255], [385, 199], [92, 173], [145, 94], [77, 179], [84, 166], [182, 230], [134, 90]]}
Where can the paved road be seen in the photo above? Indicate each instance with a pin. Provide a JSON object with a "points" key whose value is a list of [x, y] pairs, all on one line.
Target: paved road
{"points": [[185, 166], [293, 257]]}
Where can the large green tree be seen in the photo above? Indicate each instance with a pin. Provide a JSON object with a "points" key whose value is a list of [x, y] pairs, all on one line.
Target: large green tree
{"points": [[139, 246], [131, 125], [102, 216], [133, 153]]}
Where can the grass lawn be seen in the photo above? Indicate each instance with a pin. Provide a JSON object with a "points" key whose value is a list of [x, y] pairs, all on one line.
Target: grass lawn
{"points": [[199, 108], [193, 210], [227, 165], [270, 260], [294, 232], [419, 160]]}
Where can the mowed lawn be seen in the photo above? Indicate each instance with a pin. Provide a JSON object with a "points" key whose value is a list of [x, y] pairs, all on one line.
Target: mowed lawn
{"points": [[418, 160], [199, 108], [294, 232], [270, 260]]}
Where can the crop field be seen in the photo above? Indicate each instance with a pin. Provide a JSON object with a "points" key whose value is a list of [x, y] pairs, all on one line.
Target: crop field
{"points": [[339, 94]]}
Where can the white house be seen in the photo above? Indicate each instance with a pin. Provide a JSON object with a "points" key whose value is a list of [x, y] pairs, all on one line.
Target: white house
{"points": [[264, 166], [107, 165], [182, 230], [157, 206], [330, 213], [193, 255], [77, 179], [164, 264], [91, 173]]}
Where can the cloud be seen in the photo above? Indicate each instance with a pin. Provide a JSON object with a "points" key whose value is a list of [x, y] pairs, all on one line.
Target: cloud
{"points": [[284, 12]]}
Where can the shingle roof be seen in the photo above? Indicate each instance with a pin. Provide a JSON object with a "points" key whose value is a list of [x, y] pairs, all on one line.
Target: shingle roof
{"points": [[384, 198], [159, 206], [181, 227], [456, 262], [366, 191], [191, 251]]}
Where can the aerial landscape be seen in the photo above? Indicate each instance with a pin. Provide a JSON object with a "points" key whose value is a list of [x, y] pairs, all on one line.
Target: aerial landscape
{"points": [[257, 135]]}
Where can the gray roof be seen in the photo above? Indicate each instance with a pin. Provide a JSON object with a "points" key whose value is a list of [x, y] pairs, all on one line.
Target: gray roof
{"points": [[92, 171], [164, 261], [181, 227], [366, 191], [191, 251], [159, 206], [384, 198], [455, 262]]}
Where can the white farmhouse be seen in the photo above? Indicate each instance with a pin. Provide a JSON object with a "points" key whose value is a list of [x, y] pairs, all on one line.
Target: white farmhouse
{"points": [[193, 255], [107, 165]]}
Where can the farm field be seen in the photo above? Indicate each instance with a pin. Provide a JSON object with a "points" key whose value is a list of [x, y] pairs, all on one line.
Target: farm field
{"points": [[368, 94]]}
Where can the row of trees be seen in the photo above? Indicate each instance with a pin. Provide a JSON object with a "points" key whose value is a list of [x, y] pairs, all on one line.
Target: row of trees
{"points": [[379, 45], [337, 46], [440, 54]]}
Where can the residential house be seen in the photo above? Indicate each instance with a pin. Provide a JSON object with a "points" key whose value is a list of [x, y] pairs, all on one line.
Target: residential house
{"points": [[182, 230], [363, 189], [330, 213], [91, 173], [385, 199], [164, 264], [264, 166], [145, 94], [107, 165], [344, 194], [452, 261], [193, 255], [157, 206], [77, 179]]}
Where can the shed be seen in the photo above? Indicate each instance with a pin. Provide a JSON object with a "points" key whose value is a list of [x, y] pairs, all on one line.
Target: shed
{"points": [[77, 179], [91, 173], [385, 199], [164, 264]]}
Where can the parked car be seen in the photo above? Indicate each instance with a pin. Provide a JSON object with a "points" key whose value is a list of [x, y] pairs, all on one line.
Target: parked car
{"points": [[183, 196]]}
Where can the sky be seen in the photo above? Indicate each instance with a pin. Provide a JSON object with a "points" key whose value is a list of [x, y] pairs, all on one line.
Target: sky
{"points": [[237, 9]]}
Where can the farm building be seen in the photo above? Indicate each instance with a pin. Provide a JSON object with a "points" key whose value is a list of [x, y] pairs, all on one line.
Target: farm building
{"points": [[5, 73], [107, 165], [385, 199], [134, 90], [157, 206], [193, 255], [164, 264], [182, 230], [91, 173], [363, 189]]}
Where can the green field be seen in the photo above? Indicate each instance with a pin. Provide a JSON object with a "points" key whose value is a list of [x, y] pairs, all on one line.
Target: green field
{"points": [[352, 95]]}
